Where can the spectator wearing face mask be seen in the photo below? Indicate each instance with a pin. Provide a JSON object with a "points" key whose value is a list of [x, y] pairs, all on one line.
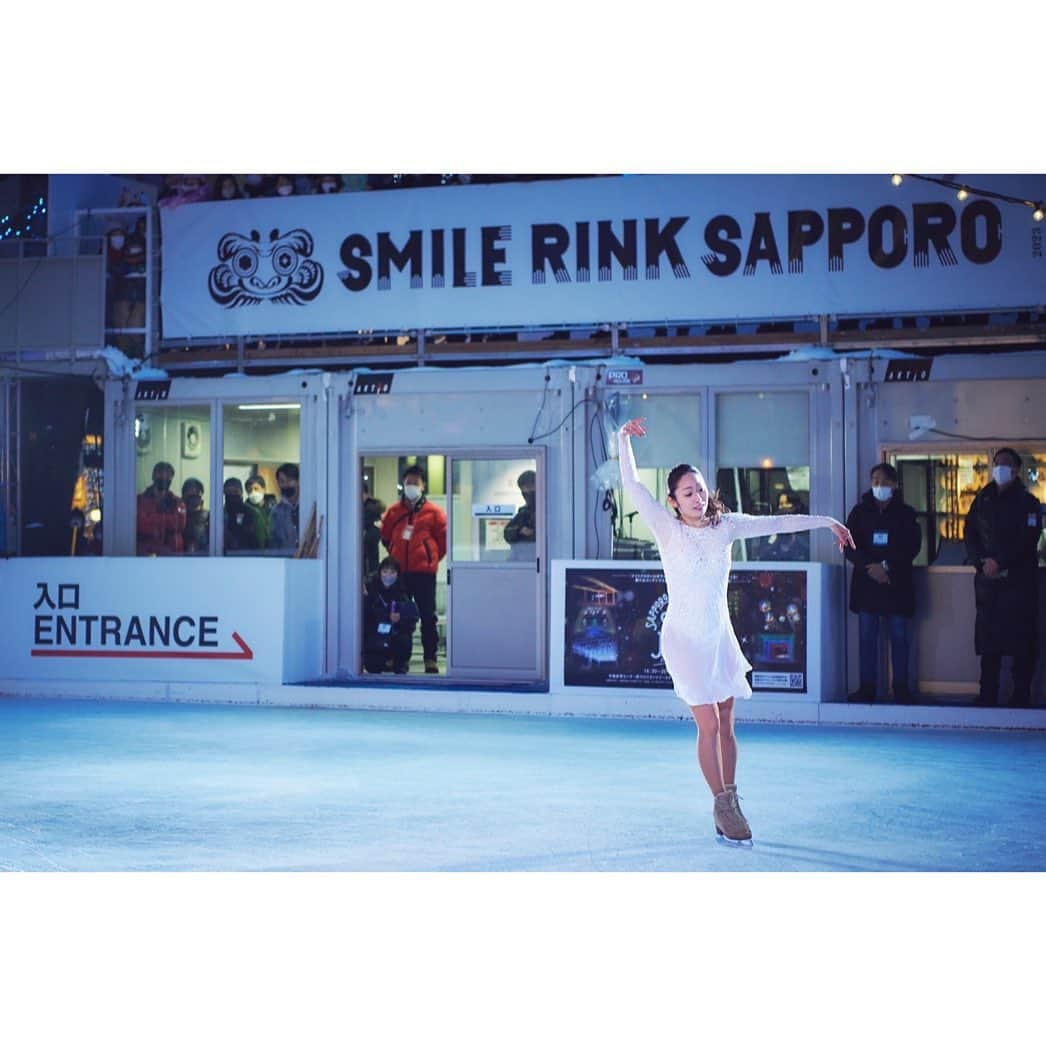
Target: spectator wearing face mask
{"points": [[415, 533], [389, 617], [887, 538], [255, 490], [161, 516], [198, 519], [119, 289], [242, 520], [285, 520], [284, 185], [521, 530], [328, 183], [1002, 536]]}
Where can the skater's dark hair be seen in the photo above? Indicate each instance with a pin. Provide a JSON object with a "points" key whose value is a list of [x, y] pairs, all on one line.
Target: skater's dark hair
{"points": [[714, 510]]}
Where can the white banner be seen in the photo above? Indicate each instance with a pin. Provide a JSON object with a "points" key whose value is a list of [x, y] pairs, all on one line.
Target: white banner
{"points": [[639, 249], [169, 620]]}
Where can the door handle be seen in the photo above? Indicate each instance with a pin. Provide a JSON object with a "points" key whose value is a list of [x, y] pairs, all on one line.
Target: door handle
{"points": [[537, 562], [450, 570]]}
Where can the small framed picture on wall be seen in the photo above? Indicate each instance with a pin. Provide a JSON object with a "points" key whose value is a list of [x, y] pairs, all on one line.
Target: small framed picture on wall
{"points": [[191, 439]]}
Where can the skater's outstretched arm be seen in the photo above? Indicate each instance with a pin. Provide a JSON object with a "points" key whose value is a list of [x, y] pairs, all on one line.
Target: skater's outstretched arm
{"points": [[654, 515], [744, 526]]}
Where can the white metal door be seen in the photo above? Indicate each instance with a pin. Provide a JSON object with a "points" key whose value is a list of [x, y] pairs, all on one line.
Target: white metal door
{"points": [[496, 566]]}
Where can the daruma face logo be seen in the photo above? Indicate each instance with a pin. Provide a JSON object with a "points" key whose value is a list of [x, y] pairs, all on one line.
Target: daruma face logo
{"points": [[280, 271]]}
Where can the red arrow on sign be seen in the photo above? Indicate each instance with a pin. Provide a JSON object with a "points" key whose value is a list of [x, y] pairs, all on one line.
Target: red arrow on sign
{"points": [[245, 653]]}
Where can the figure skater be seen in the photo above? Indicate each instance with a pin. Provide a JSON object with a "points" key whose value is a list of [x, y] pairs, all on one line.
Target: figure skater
{"points": [[698, 644]]}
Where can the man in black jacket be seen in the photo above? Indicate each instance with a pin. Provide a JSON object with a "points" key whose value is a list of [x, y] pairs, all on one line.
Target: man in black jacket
{"points": [[1002, 535], [888, 539]]}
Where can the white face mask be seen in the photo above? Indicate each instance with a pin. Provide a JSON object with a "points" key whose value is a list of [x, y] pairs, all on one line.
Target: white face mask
{"points": [[284, 190], [411, 492], [1002, 474], [388, 580], [255, 497], [116, 241], [228, 192], [327, 187], [882, 493]]}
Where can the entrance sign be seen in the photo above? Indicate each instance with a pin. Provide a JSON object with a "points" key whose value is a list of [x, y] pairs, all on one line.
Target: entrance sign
{"points": [[170, 620], [643, 249]]}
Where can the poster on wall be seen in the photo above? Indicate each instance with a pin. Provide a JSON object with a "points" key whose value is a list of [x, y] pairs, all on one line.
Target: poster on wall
{"points": [[613, 620]]}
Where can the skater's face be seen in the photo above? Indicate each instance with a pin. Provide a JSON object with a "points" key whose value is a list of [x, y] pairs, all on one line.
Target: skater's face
{"points": [[690, 498]]}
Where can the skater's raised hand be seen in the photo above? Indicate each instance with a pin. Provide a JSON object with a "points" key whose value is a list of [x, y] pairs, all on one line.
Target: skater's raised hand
{"points": [[635, 427], [842, 535]]}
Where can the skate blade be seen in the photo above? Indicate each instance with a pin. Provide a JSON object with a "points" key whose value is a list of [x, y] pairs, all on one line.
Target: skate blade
{"points": [[744, 844]]}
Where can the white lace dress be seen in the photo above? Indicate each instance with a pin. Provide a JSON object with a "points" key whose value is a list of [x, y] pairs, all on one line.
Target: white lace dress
{"points": [[701, 652]]}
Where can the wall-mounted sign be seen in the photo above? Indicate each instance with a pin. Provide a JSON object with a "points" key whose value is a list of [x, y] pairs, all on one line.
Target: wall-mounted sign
{"points": [[650, 249], [159, 619], [626, 376], [908, 370], [373, 385], [488, 509], [152, 390]]}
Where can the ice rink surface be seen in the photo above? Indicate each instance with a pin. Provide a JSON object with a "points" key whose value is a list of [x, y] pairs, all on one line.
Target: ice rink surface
{"points": [[115, 786]]}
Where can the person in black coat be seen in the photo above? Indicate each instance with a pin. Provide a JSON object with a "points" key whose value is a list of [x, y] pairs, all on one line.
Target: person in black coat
{"points": [[1002, 536], [888, 539], [521, 530], [389, 617]]}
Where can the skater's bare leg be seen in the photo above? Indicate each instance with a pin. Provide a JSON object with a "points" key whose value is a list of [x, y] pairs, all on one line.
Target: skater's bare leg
{"points": [[728, 741], [709, 757]]}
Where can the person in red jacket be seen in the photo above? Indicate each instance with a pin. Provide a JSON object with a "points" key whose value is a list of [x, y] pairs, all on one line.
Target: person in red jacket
{"points": [[414, 531], [161, 516]]}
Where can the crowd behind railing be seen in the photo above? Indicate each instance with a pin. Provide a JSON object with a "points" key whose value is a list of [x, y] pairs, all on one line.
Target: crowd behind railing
{"points": [[177, 189]]}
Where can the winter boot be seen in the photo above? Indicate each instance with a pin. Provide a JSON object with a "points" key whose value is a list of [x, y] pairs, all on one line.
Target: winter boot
{"points": [[730, 825]]}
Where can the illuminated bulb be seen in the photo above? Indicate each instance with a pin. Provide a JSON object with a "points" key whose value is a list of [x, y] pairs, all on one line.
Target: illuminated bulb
{"points": [[1038, 213], [767, 463], [897, 179], [962, 194]]}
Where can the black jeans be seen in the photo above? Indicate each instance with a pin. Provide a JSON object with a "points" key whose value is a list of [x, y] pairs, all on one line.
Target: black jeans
{"points": [[1023, 670], [422, 588]]}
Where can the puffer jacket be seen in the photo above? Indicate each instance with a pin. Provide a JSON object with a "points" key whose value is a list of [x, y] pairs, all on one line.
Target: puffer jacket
{"points": [[427, 544]]}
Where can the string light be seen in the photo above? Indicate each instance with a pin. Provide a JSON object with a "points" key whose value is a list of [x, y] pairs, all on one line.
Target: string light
{"points": [[964, 191]]}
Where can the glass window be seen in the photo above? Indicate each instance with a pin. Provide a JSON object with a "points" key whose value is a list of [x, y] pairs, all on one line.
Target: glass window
{"points": [[172, 463], [763, 465], [262, 499], [494, 510], [941, 488], [674, 435]]}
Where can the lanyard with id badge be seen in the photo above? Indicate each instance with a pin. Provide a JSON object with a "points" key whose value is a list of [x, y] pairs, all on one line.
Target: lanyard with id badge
{"points": [[880, 538]]}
